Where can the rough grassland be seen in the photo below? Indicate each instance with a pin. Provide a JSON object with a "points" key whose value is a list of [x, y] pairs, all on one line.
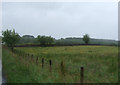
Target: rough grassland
{"points": [[99, 62]]}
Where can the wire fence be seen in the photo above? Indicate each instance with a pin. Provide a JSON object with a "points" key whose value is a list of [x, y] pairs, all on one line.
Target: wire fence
{"points": [[39, 60]]}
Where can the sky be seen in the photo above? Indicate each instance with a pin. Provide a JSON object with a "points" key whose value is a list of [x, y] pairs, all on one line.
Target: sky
{"points": [[62, 19]]}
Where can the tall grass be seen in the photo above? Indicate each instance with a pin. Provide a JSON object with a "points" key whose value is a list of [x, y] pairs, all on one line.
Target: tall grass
{"points": [[99, 62]]}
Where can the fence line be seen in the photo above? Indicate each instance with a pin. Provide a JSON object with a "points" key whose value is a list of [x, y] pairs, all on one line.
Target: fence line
{"points": [[31, 58]]}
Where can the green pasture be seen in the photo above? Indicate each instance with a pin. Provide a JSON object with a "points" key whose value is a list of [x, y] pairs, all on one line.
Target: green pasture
{"points": [[100, 64]]}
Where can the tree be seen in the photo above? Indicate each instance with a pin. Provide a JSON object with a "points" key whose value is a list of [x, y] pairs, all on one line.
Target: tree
{"points": [[49, 40], [45, 40], [10, 38], [86, 38], [41, 39]]}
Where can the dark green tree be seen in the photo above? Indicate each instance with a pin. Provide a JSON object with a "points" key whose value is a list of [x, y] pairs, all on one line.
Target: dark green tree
{"points": [[50, 40], [10, 38], [86, 38], [45, 40], [41, 40]]}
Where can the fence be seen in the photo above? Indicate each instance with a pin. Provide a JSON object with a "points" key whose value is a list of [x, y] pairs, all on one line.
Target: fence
{"points": [[35, 59]]}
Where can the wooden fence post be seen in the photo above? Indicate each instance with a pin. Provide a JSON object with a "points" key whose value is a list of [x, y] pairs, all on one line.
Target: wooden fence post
{"points": [[27, 57], [37, 60], [62, 68], [50, 63], [42, 62], [82, 75], [32, 57]]}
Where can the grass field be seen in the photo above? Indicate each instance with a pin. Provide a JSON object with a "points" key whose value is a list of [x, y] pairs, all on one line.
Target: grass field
{"points": [[99, 62]]}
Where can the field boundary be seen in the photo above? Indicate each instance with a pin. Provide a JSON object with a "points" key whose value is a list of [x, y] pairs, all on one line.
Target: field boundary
{"points": [[36, 61], [56, 45]]}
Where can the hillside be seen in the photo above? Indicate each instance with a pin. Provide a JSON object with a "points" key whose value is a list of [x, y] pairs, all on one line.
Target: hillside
{"points": [[80, 41], [26, 39], [29, 39]]}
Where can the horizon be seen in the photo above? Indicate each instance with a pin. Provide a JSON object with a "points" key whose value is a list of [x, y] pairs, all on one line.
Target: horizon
{"points": [[67, 37], [62, 19]]}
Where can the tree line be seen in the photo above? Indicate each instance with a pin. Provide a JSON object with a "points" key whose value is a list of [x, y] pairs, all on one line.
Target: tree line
{"points": [[10, 38]]}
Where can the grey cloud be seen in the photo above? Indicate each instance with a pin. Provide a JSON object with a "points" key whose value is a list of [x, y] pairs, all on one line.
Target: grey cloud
{"points": [[99, 20]]}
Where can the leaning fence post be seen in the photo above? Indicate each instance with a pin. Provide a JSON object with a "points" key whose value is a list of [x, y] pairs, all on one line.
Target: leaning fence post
{"points": [[50, 63], [37, 60], [62, 68], [42, 62], [32, 57], [82, 75], [25, 56]]}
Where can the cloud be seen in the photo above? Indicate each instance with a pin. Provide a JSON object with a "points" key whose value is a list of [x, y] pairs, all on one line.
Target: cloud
{"points": [[99, 20]]}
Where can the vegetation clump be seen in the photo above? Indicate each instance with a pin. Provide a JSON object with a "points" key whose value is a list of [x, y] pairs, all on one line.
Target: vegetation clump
{"points": [[86, 38], [10, 38]]}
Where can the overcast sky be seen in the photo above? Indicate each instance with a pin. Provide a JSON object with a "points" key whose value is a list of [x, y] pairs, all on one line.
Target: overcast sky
{"points": [[60, 20]]}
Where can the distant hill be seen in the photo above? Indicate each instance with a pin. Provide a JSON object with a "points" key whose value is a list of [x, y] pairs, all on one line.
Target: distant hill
{"points": [[29, 39], [92, 41], [26, 39], [28, 36]]}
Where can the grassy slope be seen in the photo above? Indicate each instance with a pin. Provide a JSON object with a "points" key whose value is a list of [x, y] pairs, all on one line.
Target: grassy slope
{"points": [[100, 63], [16, 72]]}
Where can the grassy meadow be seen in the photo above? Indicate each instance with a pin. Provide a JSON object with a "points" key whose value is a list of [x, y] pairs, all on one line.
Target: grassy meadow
{"points": [[100, 64]]}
